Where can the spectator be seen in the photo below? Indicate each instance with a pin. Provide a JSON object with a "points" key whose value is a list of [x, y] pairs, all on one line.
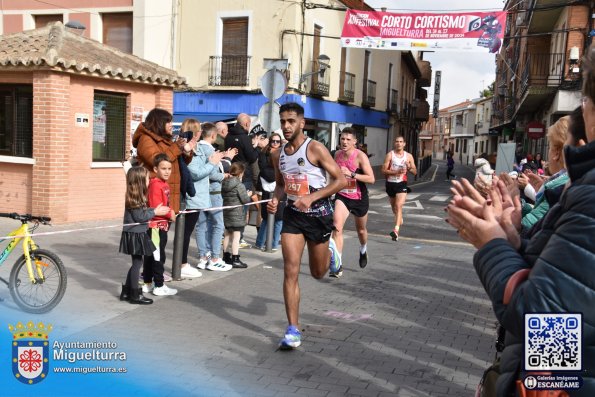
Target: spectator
{"points": [[222, 131], [267, 187], [201, 168], [154, 136], [210, 225], [548, 194], [450, 165], [235, 195], [550, 273], [247, 154]]}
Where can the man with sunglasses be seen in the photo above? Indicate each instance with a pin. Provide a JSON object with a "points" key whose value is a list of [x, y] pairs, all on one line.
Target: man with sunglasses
{"points": [[353, 199]]}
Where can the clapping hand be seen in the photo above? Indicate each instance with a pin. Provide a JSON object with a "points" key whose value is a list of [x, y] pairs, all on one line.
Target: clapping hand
{"points": [[216, 157], [231, 153], [536, 180]]}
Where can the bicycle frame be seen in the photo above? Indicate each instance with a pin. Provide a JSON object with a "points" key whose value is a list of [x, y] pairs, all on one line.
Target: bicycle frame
{"points": [[28, 246]]}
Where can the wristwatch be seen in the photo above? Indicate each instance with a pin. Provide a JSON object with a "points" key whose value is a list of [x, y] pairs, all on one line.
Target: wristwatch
{"points": [[353, 174]]}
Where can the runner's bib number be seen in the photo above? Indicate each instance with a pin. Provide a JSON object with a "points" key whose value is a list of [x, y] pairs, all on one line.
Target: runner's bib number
{"points": [[296, 186], [351, 186]]}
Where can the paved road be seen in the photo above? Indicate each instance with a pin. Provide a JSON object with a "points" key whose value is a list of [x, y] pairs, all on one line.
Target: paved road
{"points": [[415, 322]]}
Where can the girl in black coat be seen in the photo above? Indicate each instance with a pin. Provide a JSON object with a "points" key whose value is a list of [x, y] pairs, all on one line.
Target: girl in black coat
{"points": [[134, 240]]}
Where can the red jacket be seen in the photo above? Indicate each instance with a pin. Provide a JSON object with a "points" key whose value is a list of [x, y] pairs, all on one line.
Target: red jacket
{"points": [[159, 193]]}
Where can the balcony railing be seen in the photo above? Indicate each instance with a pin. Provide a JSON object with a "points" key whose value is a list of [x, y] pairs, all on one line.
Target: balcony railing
{"points": [[369, 94], [509, 111], [543, 70], [394, 101], [405, 110], [229, 70], [347, 87], [319, 85]]}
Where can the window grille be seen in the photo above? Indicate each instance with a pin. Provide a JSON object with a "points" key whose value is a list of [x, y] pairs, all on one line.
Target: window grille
{"points": [[16, 120], [109, 126]]}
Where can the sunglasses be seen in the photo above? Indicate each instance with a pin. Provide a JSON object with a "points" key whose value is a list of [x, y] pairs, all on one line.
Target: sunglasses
{"points": [[275, 141]]}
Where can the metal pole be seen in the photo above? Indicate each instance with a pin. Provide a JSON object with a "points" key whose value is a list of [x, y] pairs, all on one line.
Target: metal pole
{"points": [[269, 126], [176, 266]]}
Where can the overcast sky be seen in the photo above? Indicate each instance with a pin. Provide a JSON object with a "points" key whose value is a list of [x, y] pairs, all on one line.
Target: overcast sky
{"points": [[464, 74]]}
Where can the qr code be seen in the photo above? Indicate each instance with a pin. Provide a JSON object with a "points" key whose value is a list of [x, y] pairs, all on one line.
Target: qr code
{"points": [[553, 342]]}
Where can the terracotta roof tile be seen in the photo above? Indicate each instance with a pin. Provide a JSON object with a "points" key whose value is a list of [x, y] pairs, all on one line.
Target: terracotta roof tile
{"points": [[56, 47]]}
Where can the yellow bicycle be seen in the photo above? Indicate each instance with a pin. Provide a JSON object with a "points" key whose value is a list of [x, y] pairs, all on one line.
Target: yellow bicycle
{"points": [[37, 280]]}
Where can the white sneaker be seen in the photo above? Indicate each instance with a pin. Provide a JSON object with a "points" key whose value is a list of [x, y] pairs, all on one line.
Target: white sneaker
{"points": [[165, 290], [148, 288], [218, 265], [190, 272], [202, 264]]}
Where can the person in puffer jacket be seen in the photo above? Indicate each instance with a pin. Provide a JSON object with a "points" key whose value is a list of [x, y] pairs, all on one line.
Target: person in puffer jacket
{"points": [[553, 272], [234, 194]]}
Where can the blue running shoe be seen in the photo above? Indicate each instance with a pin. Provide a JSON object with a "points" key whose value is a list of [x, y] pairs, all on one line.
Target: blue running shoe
{"points": [[292, 338], [335, 257]]}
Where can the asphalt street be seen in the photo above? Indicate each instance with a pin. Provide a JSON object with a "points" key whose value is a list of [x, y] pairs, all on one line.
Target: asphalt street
{"points": [[414, 322]]}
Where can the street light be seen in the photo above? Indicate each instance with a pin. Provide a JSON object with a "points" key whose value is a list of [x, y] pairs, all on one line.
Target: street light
{"points": [[323, 65]]}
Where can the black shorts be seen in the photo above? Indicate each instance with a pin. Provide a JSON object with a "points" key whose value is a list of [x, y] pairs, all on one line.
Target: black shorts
{"points": [[394, 188], [358, 208], [317, 229], [235, 229]]}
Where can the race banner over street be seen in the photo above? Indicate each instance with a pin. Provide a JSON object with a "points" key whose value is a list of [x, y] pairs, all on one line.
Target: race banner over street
{"points": [[467, 31]]}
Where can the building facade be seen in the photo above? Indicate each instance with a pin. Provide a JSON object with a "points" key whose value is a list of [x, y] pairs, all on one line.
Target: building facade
{"points": [[538, 72], [378, 92], [68, 106]]}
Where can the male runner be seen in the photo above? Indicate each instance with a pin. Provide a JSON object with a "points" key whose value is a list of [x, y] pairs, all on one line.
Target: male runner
{"points": [[301, 169], [396, 165], [356, 168]]}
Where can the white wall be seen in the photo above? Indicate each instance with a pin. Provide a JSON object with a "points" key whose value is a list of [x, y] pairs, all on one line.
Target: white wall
{"points": [[152, 31]]}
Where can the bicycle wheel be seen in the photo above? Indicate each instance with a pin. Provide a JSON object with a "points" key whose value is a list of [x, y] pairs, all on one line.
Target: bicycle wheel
{"points": [[43, 295]]}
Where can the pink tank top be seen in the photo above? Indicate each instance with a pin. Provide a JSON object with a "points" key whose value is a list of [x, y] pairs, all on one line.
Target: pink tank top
{"points": [[352, 190]]}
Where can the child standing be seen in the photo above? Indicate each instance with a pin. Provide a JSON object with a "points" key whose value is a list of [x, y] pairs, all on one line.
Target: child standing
{"points": [[234, 193], [159, 194], [135, 241]]}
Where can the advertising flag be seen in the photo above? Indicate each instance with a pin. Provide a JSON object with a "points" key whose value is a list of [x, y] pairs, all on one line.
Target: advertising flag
{"points": [[467, 31]]}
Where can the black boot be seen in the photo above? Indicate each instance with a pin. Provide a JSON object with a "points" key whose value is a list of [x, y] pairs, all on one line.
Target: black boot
{"points": [[227, 258], [124, 294], [137, 298], [237, 263]]}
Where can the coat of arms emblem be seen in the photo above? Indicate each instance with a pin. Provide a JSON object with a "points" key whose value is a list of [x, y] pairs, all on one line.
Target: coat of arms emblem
{"points": [[30, 352]]}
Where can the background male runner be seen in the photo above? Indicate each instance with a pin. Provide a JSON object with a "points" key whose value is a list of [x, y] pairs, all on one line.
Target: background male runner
{"points": [[396, 165], [353, 198]]}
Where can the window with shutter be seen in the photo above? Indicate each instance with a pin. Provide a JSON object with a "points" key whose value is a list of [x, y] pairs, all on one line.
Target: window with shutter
{"points": [[117, 30], [234, 53], [43, 20]]}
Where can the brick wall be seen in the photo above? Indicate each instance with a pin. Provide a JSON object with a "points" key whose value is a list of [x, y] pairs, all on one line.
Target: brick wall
{"points": [[578, 17], [98, 193], [51, 137], [15, 187], [64, 183], [15, 179]]}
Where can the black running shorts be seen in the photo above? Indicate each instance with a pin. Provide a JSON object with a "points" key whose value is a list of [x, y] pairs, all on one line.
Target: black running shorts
{"points": [[394, 188], [358, 208], [316, 229]]}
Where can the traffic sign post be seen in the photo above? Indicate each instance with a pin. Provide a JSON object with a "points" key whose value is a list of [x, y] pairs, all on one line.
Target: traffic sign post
{"points": [[274, 85]]}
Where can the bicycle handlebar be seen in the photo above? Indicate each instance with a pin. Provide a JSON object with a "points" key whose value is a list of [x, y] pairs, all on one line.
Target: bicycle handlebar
{"points": [[26, 217]]}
